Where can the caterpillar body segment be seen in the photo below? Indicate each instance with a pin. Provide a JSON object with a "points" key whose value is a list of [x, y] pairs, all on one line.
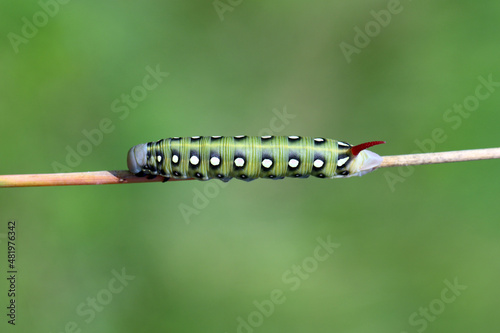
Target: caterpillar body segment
{"points": [[251, 157]]}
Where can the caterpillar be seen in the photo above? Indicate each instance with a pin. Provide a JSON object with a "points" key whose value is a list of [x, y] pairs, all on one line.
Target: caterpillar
{"points": [[251, 157]]}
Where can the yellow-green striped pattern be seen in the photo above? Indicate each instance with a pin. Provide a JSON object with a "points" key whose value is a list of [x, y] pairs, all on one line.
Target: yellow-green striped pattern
{"points": [[246, 157]]}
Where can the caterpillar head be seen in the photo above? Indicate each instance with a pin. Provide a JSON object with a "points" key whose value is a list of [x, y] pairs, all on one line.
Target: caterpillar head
{"points": [[137, 158], [359, 161]]}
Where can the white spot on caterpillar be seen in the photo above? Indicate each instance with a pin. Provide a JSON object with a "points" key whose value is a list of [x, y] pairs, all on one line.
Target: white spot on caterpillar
{"points": [[158, 158], [194, 160], [318, 163], [267, 163], [239, 162], [216, 137], [215, 161], [293, 137], [239, 136], [266, 136], [293, 163], [342, 161], [195, 137], [319, 140], [175, 159], [343, 144]]}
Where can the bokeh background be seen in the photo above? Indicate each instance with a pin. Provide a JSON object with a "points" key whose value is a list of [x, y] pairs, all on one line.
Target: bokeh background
{"points": [[199, 256]]}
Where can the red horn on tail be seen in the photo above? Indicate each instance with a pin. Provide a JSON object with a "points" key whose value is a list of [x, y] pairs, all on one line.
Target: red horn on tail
{"points": [[357, 149]]}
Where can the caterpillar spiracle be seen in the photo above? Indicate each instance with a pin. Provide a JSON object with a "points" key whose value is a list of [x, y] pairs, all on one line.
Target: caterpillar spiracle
{"points": [[251, 157]]}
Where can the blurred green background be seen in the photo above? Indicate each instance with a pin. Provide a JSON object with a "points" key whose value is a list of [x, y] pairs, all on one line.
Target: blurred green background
{"points": [[204, 257]]}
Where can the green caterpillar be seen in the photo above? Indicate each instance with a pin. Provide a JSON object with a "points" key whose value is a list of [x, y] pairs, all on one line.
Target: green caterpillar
{"points": [[251, 157]]}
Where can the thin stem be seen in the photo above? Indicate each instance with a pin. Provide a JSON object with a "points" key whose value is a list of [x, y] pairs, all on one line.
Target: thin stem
{"points": [[77, 178], [444, 157], [125, 177]]}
